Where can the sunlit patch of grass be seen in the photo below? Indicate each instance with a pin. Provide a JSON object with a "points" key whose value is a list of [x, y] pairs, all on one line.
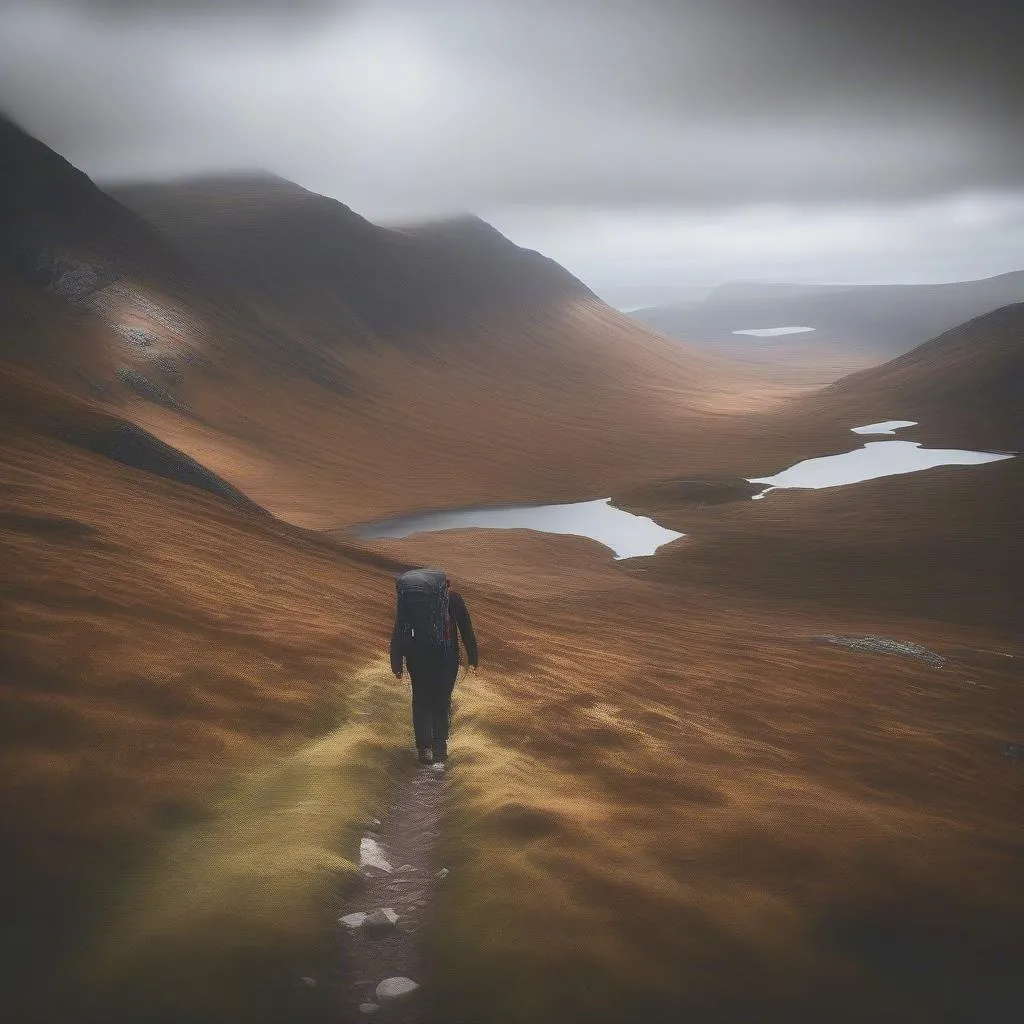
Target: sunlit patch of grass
{"points": [[232, 911]]}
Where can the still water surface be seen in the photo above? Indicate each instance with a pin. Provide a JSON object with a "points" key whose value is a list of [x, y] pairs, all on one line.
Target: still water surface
{"points": [[626, 534], [629, 536], [772, 332], [875, 459]]}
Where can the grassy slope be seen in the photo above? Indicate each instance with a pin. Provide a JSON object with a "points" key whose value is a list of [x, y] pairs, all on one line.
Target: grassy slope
{"points": [[196, 721], [942, 544], [561, 404], [672, 805]]}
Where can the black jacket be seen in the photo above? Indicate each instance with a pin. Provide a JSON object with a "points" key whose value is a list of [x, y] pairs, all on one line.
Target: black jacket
{"points": [[460, 613]]}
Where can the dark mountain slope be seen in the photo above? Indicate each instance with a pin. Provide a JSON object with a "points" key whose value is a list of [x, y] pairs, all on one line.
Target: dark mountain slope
{"points": [[306, 255]]}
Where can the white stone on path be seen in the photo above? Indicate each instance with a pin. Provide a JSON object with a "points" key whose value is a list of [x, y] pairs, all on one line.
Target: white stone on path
{"points": [[354, 920], [371, 855], [443, 873], [368, 1007], [395, 988]]}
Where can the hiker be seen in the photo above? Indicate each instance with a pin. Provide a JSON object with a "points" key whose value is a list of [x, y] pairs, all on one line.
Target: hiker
{"points": [[427, 614]]}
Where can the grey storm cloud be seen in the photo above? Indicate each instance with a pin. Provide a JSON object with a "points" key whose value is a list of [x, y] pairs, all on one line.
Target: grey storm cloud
{"points": [[586, 127], [598, 102], [188, 8]]}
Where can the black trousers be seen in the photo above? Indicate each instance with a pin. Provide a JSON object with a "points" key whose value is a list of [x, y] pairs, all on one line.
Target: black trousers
{"points": [[432, 685]]}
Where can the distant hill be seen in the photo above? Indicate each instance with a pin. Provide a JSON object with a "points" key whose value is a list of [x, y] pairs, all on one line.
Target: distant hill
{"points": [[962, 389], [61, 231], [768, 291], [629, 297], [859, 323], [95, 297]]}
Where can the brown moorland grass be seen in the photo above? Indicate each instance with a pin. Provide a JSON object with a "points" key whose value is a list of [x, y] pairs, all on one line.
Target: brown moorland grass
{"points": [[671, 804], [944, 543], [196, 722], [556, 404]]}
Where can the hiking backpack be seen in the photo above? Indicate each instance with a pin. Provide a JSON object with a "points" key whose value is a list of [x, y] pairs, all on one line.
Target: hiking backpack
{"points": [[424, 617]]}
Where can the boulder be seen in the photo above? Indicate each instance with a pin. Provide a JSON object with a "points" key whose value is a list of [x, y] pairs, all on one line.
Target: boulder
{"points": [[391, 989], [372, 856]]}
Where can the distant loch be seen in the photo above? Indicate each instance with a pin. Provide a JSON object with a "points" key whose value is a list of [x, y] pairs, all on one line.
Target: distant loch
{"points": [[772, 332]]}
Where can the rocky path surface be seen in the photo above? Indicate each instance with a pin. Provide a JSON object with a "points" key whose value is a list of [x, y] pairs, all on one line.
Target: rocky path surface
{"points": [[383, 921]]}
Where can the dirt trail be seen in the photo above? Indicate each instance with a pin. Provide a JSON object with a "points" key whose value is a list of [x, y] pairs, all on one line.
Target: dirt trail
{"points": [[406, 838]]}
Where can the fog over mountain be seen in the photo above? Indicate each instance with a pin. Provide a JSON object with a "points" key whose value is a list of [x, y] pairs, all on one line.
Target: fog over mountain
{"points": [[650, 147]]}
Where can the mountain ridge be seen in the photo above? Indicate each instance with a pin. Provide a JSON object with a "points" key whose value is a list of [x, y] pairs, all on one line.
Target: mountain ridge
{"points": [[397, 281]]}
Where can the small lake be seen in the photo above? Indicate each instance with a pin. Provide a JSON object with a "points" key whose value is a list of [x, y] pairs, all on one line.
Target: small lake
{"points": [[773, 332], [626, 534], [631, 536], [887, 427], [875, 459]]}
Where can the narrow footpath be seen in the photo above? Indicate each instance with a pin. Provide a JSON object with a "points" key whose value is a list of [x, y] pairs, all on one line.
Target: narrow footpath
{"points": [[384, 919]]}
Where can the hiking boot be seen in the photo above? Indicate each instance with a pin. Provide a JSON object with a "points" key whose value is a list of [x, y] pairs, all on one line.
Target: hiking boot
{"points": [[425, 755]]}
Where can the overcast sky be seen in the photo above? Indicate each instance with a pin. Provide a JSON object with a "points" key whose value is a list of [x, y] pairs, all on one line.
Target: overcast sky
{"points": [[651, 146]]}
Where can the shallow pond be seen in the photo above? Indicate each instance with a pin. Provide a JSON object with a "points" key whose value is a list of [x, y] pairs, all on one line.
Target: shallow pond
{"points": [[629, 536], [875, 459], [886, 427], [626, 534]]}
